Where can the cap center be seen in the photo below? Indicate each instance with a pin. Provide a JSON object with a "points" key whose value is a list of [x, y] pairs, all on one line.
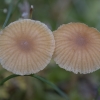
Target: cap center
{"points": [[24, 44], [81, 41]]}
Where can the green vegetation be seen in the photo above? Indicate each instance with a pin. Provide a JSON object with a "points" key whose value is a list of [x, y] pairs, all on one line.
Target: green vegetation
{"points": [[53, 13]]}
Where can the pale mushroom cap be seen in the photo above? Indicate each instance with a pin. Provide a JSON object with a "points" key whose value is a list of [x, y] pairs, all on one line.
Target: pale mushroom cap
{"points": [[26, 47], [77, 48]]}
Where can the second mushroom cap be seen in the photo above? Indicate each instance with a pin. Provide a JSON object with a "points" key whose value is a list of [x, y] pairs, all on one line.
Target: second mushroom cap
{"points": [[77, 48]]}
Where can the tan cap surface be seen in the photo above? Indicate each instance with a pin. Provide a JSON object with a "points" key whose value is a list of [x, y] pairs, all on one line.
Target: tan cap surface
{"points": [[26, 46], [77, 48]]}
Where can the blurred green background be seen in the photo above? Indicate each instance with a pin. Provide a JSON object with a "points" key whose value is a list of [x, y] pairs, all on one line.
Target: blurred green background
{"points": [[53, 13]]}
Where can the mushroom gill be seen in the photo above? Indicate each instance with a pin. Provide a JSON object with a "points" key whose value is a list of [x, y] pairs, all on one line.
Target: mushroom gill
{"points": [[26, 46], [77, 48]]}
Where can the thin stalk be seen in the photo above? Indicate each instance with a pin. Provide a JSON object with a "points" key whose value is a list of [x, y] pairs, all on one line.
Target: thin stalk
{"points": [[31, 12], [7, 78], [51, 84], [10, 12], [39, 78]]}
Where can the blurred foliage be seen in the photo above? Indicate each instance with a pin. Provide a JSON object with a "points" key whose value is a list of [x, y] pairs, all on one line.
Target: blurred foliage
{"points": [[53, 13]]}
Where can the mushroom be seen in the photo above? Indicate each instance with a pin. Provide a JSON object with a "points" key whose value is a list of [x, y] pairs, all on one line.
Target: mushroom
{"points": [[77, 48], [26, 46]]}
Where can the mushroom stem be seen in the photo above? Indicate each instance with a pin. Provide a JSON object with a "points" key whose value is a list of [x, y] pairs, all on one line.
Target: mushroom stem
{"points": [[39, 78]]}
